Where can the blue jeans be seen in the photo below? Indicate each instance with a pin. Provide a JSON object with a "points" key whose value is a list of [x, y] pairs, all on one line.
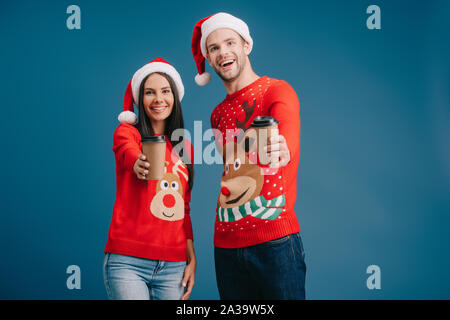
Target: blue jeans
{"points": [[132, 278], [271, 270]]}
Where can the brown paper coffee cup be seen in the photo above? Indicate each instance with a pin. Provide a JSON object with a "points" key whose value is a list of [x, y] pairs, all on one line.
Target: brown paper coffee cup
{"points": [[154, 149], [265, 127]]}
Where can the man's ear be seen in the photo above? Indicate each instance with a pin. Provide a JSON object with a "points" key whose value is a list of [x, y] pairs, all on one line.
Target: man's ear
{"points": [[246, 48]]}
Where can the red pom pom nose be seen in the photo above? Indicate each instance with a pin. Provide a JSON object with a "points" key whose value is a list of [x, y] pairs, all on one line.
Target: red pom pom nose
{"points": [[169, 200], [225, 191]]}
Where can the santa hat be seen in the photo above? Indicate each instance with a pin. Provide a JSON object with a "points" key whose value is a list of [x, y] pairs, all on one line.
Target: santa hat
{"points": [[202, 30], [132, 92]]}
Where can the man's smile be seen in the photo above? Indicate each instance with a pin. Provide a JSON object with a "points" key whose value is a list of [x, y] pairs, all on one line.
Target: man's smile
{"points": [[226, 64]]}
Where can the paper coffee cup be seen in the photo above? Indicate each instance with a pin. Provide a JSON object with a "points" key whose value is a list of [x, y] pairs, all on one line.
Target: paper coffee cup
{"points": [[154, 149], [265, 127]]}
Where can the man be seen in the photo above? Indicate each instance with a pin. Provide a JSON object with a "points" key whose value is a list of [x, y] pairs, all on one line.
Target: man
{"points": [[258, 249]]}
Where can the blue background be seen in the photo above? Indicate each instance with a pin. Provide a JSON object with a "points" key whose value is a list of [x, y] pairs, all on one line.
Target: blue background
{"points": [[374, 177]]}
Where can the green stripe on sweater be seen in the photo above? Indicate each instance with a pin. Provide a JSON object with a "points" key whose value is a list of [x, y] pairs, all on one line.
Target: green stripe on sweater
{"points": [[259, 208]]}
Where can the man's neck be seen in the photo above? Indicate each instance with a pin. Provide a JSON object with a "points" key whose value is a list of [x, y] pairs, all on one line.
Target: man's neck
{"points": [[245, 78]]}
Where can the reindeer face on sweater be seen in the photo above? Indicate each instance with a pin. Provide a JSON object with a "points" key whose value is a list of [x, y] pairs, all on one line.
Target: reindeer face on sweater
{"points": [[242, 180], [168, 203]]}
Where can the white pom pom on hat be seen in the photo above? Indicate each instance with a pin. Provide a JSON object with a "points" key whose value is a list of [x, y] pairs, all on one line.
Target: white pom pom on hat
{"points": [[202, 79], [132, 92], [127, 117], [203, 29]]}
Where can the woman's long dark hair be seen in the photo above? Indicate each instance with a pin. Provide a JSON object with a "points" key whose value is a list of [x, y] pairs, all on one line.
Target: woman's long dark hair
{"points": [[172, 122]]}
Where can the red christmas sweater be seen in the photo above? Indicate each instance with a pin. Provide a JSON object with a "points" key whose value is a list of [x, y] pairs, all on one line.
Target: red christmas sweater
{"points": [[150, 218], [258, 204]]}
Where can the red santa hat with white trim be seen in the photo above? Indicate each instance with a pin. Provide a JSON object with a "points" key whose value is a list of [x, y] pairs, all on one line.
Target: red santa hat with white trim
{"points": [[203, 29], [132, 92]]}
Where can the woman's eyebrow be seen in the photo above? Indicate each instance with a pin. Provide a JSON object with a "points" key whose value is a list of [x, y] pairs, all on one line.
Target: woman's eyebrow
{"points": [[166, 87]]}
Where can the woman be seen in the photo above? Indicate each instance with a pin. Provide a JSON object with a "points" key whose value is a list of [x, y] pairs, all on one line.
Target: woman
{"points": [[150, 255]]}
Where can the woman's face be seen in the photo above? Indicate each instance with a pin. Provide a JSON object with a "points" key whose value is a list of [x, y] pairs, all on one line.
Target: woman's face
{"points": [[158, 98]]}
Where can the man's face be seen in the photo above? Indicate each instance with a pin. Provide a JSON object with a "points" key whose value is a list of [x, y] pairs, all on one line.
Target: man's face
{"points": [[226, 53]]}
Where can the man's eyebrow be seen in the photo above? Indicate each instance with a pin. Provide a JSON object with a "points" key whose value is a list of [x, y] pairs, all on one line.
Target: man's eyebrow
{"points": [[226, 40], [211, 45]]}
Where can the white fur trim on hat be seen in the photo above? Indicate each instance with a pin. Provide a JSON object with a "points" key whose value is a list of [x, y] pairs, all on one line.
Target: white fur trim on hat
{"points": [[202, 79], [224, 20], [127, 117], [151, 68]]}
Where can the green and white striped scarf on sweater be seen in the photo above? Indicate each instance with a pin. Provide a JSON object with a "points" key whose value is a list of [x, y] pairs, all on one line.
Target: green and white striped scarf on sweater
{"points": [[258, 208]]}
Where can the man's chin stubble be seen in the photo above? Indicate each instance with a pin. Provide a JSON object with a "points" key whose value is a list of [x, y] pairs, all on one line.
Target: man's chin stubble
{"points": [[226, 79]]}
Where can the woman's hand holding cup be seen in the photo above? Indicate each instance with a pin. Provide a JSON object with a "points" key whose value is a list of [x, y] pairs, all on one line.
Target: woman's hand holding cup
{"points": [[141, 167]]}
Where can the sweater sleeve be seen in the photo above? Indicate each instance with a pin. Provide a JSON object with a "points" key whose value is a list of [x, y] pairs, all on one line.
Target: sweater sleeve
{"points": [[187, 197], [126, 140], [285, 107]]}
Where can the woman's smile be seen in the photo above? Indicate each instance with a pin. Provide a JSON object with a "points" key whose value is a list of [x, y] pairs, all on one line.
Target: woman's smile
{"points": [[159, 109]]}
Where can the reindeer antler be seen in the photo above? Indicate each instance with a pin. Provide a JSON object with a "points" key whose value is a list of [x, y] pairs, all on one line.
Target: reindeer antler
{"points": [[176, 169], [248, 113]]}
